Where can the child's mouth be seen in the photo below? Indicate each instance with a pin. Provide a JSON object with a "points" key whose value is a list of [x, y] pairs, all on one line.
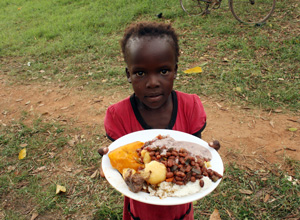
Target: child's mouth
{"points": [[154, 98]]}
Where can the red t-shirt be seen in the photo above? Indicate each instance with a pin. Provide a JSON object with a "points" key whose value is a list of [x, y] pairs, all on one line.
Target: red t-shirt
{"points": [[123, 118]]}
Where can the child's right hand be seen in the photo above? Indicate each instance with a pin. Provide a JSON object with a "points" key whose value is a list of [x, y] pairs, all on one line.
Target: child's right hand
{"points": [[102, 151]]}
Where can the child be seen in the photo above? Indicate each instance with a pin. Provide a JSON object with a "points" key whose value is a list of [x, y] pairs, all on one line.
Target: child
{"points": [[151, 53]]}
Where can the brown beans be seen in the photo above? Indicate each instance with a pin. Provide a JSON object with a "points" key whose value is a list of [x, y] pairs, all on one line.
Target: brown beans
{"points": [[174, 153], [201, 182], [193, 179], [217, 174], [188, 168], [182, 154], [170, 174], [178, 178], [170, 163], [151, 153], [181, 167], [180, 174]]}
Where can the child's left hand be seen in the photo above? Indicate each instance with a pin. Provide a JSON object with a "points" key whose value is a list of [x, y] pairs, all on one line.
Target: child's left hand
{"points": [[215, 144]]}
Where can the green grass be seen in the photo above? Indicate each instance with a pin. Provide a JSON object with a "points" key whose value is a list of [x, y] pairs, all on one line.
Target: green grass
{"points": [[229, 197], [31, 182], [78, 41], [24, 189]]}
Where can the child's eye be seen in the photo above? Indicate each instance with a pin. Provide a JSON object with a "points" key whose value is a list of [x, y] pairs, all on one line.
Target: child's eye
{"points": [[140, 73], [164, 72]]}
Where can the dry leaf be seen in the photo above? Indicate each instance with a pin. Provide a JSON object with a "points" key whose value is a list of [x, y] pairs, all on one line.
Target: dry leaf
{"points": [[22, 154], [272, 123], [196, 69], [34, 215], [95, 174], [72, 142], [238, 89], [52, 154], [246, 191], [23, 145], [220, 106], [39, 169], [60, 189], [77, 171], [267, 197], [68, 169], [11, 168], [215, 215]]}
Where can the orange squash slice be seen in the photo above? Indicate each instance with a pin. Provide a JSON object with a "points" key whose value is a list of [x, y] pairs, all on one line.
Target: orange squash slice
{"points": [[126, 157]]}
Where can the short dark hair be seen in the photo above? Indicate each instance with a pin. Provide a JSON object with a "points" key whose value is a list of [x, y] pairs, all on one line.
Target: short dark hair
{"points": [[149, 29]]}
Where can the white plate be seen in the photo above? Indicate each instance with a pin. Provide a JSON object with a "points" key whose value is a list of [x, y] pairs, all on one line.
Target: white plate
{"points": [[116, 180]]}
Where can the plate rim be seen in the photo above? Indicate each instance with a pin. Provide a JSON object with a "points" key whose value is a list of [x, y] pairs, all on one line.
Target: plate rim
{"points": [[116, 181]]}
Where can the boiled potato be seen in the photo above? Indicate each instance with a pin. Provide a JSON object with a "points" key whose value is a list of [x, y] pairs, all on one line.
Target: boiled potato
{"points": [[146, 156], [157, 172], [128, 172]]}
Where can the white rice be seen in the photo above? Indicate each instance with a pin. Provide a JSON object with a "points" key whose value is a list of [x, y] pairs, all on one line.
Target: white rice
{"points": [[167, 189]]}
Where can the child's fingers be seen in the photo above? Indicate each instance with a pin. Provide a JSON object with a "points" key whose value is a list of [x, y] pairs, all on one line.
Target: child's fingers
{"points": [[103, 150], [102, 173], [215, 144]]}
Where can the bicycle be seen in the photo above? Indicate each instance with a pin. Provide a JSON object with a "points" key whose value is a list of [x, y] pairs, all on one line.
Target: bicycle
{"points": [[245, 11]]}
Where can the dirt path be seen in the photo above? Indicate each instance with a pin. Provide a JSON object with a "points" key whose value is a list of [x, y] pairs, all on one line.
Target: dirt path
{"points": [[251, 138]]}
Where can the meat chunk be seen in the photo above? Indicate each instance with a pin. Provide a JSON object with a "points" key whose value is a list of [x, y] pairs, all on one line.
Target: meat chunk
{"points": [[134, 181]]}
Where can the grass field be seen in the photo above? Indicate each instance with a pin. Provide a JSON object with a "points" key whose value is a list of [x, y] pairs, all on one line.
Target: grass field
{"points": [[258, 66], [77, 41]]}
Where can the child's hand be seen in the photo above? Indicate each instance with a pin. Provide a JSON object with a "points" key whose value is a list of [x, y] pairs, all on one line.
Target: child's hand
{"points": [[102, 151], [215, 144]]}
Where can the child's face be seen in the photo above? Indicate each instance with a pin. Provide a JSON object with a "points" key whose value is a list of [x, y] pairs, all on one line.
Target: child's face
{"points": [[151, 68]]}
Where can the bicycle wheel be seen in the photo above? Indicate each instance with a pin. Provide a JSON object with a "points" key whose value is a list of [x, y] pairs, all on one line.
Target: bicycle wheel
{"points": [[194, 7], [252, 11]]}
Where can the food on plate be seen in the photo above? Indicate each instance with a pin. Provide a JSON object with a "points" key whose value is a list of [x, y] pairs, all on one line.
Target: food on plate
{"points": [[168, 168], [126, 157], [157, 172], [135, 181]]}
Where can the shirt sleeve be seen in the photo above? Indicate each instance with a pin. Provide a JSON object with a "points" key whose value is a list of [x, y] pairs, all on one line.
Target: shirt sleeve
{"points": [[112, 125], [197, 117]]}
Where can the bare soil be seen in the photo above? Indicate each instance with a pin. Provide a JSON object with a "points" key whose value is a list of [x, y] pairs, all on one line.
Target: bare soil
{"points": [[251, 138]]}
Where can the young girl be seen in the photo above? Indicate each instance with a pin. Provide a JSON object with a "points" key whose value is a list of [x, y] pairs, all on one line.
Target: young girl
{"points": [[151, 53]]}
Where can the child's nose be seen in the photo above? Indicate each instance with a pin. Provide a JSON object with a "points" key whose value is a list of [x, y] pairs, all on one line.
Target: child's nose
{"points": [[153, 81]]}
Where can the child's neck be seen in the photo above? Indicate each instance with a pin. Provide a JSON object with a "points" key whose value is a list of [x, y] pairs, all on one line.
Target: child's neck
{"points": [[157, 118]]}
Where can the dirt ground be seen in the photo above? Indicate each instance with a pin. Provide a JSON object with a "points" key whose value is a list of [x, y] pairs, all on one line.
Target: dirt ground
{"points": [[254, 139]]}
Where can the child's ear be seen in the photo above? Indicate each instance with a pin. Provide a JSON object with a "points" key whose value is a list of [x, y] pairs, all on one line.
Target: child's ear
{"points": [[128, 75], [176, 68]]}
